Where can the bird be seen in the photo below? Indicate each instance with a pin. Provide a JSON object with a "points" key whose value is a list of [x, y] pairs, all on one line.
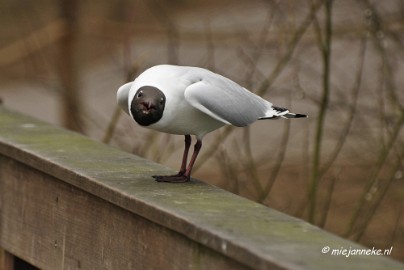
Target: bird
{"points": [[187, 100]]}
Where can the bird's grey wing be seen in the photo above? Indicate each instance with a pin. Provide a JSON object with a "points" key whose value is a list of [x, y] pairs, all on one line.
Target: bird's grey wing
{"points": [[226, 101], [122, 96]]}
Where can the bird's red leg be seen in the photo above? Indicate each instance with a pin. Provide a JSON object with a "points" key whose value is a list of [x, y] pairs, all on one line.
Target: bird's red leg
{"points": [[197, 148], [185, 155], [181, 175]]}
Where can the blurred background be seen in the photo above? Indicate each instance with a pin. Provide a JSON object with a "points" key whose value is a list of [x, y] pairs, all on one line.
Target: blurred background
{"points": [[340, 62]]}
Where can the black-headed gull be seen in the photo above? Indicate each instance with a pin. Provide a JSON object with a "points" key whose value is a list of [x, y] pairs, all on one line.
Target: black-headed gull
{"points": [[192, 101]]}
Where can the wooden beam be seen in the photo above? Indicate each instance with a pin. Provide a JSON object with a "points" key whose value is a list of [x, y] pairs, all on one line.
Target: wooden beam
{"points": [[67, 201]]}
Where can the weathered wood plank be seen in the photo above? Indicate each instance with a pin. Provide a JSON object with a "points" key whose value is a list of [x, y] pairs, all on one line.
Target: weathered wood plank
{"points": [[100, 205], [54, 225]]}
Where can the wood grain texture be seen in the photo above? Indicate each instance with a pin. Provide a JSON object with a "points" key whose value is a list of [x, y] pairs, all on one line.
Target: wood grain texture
{"points": [[67, 201], [53, 225]]}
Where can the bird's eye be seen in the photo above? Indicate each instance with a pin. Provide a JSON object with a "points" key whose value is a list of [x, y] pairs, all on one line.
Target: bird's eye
{"points": [[140, 94], [161, 101]]}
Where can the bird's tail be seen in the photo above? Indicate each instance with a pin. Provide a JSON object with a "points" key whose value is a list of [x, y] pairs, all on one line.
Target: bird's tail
{"points": [[279, 112]]}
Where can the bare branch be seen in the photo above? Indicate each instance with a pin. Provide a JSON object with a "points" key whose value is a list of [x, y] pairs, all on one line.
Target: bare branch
{"points": [[326, 52]]}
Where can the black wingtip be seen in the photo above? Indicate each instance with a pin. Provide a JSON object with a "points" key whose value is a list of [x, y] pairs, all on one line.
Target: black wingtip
{"points": [[298, 115]]}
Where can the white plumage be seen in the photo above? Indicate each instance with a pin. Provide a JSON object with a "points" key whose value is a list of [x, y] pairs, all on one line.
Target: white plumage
{"points": [[198, 100], [193, 101]]}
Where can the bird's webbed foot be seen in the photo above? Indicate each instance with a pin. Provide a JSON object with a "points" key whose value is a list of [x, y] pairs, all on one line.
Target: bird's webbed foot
{"points": [[176, 178]]}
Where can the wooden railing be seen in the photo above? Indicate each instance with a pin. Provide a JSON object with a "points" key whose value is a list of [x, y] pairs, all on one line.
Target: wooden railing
{"points": [[69, 202]]}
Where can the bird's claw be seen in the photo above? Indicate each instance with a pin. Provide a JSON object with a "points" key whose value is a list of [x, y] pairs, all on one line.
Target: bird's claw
{"points": [[178, 178]]}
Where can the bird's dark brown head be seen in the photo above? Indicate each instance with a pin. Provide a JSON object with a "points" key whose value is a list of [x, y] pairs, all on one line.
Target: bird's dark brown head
{"points": [[147, 106]]}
